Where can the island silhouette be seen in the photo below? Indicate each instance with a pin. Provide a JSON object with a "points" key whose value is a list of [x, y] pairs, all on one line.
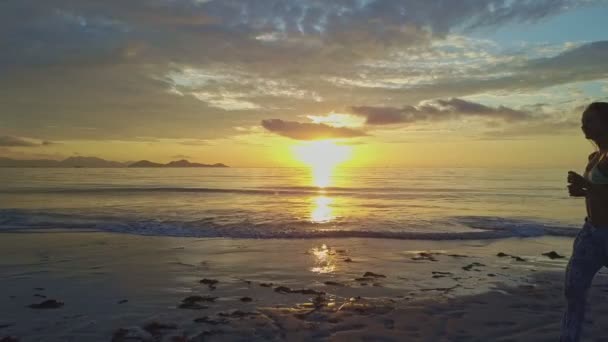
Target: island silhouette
{"points": [[94, 162]]}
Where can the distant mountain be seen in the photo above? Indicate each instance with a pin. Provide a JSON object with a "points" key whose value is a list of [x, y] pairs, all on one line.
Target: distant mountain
{"points": [[145, 163], [94, 162], [185, 163], [88, 162], [177, 163], [7, 162]]}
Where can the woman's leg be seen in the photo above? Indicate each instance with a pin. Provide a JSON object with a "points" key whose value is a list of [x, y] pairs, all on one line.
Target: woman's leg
{"points": [[587, 258]]}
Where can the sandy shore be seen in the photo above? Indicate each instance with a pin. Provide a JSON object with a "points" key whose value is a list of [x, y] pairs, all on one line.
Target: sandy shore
{"points": [[114, 286]]}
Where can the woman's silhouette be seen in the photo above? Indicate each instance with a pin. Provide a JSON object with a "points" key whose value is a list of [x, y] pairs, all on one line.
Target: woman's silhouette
{"points": [[590, 249]]}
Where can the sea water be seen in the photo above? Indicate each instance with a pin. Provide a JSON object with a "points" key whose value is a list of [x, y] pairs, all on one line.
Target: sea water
{"points": [[396, 203]]}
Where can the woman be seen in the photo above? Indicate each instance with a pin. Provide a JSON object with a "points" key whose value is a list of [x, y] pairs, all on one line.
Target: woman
{"points": [[590, 250]]}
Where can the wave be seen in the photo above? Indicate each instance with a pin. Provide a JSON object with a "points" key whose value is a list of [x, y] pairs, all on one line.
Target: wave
{"points": [[481, 227]]}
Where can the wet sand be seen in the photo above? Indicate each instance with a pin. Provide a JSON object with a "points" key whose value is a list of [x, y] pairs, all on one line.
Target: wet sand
{"points": [[99, 287]]}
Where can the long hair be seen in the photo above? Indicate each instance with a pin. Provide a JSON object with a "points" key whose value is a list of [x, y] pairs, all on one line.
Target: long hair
{"points": [[601, 108]]}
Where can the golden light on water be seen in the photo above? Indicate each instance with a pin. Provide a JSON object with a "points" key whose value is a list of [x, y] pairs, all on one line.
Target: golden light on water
{"points": [[322, 156], [321, 210]]}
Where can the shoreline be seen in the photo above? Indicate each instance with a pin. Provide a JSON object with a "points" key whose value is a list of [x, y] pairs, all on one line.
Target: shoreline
{"points": [[272, 288]]}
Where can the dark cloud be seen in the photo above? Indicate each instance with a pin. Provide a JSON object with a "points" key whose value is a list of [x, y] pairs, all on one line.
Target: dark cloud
{"points": [[308, 131], [11, 141], [436, 110]]}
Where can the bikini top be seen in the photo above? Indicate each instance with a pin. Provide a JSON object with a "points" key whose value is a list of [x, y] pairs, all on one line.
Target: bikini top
{"points": [[595, 175]]}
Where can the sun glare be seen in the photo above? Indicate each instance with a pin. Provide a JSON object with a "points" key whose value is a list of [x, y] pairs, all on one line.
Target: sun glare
{"points": [[322, 156], [322, 210]]}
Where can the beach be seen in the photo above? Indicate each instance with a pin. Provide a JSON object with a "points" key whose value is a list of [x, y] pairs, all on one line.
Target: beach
{"points": [[166, 288], [261, 254]]}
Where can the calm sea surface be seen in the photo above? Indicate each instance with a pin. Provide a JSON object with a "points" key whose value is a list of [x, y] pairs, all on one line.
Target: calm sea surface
{"points": [[416, 203]]}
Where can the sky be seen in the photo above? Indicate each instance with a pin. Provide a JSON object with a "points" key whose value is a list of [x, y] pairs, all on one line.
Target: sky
{"points": [[256, 83]]}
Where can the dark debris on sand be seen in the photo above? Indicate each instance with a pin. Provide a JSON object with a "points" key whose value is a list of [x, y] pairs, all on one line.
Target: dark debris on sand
{"points": [[47, 304], [425, 256], [553, 255], [442, 289], [470, 266], [437, 274], [131, 334], [9, 339], [199, 299], [374, 275], [210, 283], [192, 302], [503, 255], [237, 314], [156, 328], [207, 320], [285, 289], [334, 283]]}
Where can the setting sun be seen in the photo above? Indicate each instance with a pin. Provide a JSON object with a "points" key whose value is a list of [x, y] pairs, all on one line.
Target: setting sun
{"points": [[322, 156]]}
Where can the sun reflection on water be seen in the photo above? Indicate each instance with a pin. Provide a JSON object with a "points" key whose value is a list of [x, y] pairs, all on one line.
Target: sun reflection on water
{"points": [[322, 211]]}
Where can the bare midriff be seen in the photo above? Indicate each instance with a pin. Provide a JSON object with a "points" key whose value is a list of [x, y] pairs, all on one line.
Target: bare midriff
{"points": [[596, 202]]}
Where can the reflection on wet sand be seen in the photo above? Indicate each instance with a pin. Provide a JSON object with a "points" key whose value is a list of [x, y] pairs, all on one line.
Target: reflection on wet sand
{"points": [[324, 259]]}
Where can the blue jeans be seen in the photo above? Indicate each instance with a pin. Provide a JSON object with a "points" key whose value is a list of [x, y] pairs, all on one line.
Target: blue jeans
{"points": [[589, 254]]}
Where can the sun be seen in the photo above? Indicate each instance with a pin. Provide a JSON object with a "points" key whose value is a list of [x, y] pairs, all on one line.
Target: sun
{"points": [[322, 156]]}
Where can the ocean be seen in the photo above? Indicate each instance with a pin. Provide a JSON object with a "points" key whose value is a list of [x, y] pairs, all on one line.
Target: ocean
{"points": [[292, 203]]}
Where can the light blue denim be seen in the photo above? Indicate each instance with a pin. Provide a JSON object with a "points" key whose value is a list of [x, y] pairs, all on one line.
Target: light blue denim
{"points": [[589, 254]]}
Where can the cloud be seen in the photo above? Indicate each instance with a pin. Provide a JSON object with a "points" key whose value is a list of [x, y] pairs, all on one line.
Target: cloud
{"points": [[303, 33], [126, 67], [541, 127], [309, 131], [436, 110], [11, 141]]}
